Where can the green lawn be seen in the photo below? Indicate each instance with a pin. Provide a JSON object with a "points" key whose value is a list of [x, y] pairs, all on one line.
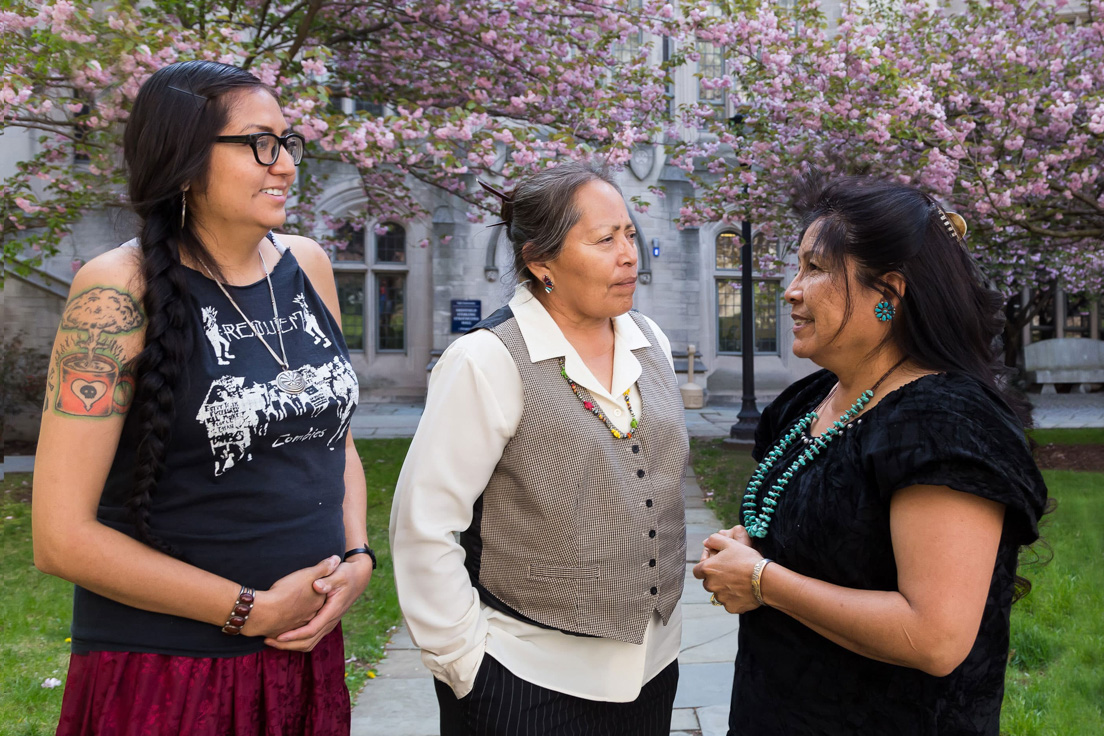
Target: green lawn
{"points": [[36, 609], [1094, 436], [1055, 681]]}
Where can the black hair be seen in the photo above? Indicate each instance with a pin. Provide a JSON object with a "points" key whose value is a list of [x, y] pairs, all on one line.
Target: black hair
{"points": [[541, 210], [949, 318], [178, 113]]}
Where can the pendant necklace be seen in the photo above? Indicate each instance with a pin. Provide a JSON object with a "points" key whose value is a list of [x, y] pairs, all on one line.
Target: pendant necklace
{"points": [[288, 380]]}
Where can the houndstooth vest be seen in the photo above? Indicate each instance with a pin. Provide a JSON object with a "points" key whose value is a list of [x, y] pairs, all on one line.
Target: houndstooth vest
{"points": [[577, 530]]}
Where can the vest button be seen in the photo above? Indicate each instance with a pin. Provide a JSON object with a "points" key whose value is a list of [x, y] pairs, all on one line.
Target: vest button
{"points": [[648, 503], [640, 473], [636, 449], [654, 590], [652, 533], [651, 563], [617, 412]]}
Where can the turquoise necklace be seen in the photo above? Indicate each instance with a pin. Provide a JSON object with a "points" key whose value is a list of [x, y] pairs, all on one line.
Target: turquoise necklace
{"points": [[757, 519]]}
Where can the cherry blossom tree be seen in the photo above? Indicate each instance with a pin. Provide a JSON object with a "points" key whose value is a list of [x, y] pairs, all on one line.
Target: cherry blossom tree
{"points": [[997, 109], [449, 91]]}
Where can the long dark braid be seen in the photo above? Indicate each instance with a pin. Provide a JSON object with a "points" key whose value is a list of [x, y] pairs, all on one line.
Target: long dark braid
{"points": [[167, 145], [169, 336]]}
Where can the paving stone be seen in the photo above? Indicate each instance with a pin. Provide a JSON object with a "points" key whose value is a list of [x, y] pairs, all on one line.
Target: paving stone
{"points": [[18, 464], [702, 516], [401, 640], [403, 707], [709, 634], [714, 719], [402, 664], [684, 719], [701, 685]]}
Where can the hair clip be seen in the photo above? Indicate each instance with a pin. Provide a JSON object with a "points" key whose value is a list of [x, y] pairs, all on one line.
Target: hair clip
{"points": [[200, 100], [955, 224], [504, 196], [507, 199], [959, 224]]}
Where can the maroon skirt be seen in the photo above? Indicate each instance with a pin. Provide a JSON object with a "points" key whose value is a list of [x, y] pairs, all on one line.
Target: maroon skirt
{"points": [[271, 693]]}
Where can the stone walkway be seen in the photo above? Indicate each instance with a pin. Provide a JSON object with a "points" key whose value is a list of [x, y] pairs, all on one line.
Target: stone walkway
{"points": [[401, 701]]}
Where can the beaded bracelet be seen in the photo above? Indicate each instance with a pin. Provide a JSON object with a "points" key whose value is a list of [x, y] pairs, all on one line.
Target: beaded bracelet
{"points": [[239, 614], [756, 576]]}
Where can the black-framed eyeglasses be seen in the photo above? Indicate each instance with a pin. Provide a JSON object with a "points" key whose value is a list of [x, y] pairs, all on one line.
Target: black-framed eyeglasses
{"points": [[266, 146]]}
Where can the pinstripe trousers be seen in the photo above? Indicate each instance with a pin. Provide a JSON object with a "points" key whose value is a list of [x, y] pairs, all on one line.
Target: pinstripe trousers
{"points": [[502, 704]]}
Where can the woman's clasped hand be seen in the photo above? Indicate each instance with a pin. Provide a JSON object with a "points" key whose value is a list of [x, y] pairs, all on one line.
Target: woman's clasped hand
{"points": [[727, 562]]}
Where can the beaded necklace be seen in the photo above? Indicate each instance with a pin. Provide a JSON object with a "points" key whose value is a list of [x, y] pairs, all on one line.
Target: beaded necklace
{"points": [[757, 519], [593, 408]]}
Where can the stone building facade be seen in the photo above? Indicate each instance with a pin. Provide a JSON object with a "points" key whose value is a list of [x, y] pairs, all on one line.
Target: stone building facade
{"points": [[406, 294]]}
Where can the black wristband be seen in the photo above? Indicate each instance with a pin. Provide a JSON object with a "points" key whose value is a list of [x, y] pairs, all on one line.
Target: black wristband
{"points": [[362, 551]]}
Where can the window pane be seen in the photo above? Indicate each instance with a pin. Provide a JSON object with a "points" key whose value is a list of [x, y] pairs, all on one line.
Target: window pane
{"points": [[710, 66], [391, 289], [766, 316], [728, 250], [626, 51], [350, 295], [391, 246], [350, 244], [728, 316], [374, 109]]}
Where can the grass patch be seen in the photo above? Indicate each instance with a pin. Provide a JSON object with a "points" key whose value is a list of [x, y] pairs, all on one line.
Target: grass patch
{"points": [[1087, 436], [1055, 680], [723, 471], [36, 609], [369, 623], [35, 612]]}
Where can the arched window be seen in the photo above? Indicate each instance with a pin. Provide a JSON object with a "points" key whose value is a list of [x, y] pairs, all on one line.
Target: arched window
{"points": [[384, 275], [765, 304]]}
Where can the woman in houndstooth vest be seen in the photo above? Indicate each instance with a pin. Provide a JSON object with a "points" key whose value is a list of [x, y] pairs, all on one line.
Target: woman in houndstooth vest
{"points": [[553, 442]]}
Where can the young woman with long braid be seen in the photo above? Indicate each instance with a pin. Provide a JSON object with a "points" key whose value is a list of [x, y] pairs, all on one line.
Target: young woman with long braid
{"points": [[195, 476]]}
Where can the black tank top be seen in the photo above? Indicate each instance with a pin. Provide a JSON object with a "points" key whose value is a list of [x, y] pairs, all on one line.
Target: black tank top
{"points": [[254, 479]]}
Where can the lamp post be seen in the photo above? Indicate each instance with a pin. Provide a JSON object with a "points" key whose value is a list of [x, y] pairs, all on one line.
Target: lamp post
{"points": [[748, 418]]}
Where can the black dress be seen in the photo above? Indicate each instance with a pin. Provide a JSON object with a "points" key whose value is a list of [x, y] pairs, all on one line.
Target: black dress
{"points": [[832, 524]]}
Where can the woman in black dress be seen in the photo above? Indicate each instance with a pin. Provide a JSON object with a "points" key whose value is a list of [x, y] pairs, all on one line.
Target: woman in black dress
{"points": [[875, 566]]}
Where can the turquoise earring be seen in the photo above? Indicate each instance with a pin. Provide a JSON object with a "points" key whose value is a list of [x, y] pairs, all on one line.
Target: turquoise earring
{"points": [[884, 311], [548, 287]]}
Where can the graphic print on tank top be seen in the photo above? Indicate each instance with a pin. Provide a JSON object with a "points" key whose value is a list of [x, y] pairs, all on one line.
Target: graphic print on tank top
{"points": [[237, 415]]}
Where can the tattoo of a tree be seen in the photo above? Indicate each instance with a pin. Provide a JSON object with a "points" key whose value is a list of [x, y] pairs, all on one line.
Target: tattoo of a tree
{"points": [[93, 377]]}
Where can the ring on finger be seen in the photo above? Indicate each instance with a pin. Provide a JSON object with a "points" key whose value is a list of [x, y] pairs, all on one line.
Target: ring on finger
{"points": [[713, 600]]}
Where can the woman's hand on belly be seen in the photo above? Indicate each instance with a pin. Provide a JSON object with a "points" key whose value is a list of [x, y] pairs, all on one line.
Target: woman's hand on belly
{"points": [[340, 589], [291, 602]]}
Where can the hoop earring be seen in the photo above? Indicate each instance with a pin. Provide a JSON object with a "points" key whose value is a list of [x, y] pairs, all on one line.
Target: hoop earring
{"points": [[183, 208], [548, 286], [884, 311]]}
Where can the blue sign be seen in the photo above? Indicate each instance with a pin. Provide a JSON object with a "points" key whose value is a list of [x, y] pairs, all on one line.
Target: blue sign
{"points": [[466, 314]]}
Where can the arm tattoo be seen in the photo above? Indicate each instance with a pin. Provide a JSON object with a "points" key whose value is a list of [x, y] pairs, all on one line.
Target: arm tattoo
{"points": [[90, 373]]}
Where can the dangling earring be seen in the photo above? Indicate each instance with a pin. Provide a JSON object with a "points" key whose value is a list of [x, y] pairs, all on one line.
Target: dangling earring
{"points": [[548, 286], [183, 208], [884, 311]]}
